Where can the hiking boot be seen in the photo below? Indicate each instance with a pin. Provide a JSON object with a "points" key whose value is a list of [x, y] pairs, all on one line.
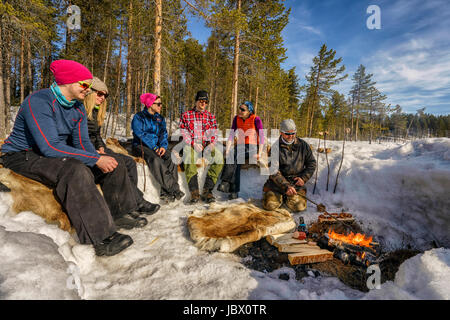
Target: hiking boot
{"points": [[233, 195], [209, 184], [130, 221], [224, 187], [195, 197], [148, 208], [178, 194], [167, 198], [272, 200], [113, 244], [208, 197]]}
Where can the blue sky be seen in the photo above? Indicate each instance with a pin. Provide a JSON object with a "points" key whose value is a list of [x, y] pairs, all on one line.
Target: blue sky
{"points": [[409, 56]]}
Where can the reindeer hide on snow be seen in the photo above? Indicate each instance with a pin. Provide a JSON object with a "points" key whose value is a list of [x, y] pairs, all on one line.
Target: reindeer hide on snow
{"points": [[227, 228], [115, 146], [30, 195]]}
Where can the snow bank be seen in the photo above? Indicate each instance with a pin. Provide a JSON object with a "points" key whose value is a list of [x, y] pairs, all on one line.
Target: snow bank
{"points": [[398, 192], [425, 276]]}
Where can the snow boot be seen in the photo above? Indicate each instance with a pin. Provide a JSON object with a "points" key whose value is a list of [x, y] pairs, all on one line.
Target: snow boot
{"points": [[167, 198], [148, 208], [207, 195], [296, 202], [130, 221], [178, 194], [195, 197], [113, 244], [272, 200], [224, 186]]}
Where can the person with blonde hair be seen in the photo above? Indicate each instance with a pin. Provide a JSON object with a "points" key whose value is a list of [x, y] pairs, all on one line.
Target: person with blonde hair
{"points": [[95, 104]]}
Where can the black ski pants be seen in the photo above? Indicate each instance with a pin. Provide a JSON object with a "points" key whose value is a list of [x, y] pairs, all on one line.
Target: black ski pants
{"points": [[130, 164], [74, 184], [162, 168]]}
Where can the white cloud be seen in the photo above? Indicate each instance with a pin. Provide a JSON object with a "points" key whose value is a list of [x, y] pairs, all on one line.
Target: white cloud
{"points": [[311, 29]]}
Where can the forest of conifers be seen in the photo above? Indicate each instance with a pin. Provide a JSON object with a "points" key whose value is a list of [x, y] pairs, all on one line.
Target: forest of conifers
{"points": [[145, 46]]}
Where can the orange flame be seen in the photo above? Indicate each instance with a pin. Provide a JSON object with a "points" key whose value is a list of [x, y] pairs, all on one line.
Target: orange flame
{"points": [[355, 239]]}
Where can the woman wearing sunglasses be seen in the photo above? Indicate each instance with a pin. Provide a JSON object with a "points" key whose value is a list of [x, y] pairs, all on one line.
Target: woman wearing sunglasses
{"points": [[151, 141], [250, 137], [95, 104]]}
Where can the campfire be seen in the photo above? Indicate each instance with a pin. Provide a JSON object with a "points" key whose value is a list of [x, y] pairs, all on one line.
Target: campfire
{"points": [[357, 249]]}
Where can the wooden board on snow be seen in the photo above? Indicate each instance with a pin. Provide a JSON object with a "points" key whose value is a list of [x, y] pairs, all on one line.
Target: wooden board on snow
{"points": [[271, 238], [297, 247], [310, 255], [286, 239]]}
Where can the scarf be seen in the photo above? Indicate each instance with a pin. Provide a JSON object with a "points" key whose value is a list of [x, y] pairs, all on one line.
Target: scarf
{"points": [[288, 143], [60, 97]]}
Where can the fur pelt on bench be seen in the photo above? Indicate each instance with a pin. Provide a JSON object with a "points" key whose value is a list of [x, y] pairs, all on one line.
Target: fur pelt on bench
{"points": [[226, 228], [30, 195]]}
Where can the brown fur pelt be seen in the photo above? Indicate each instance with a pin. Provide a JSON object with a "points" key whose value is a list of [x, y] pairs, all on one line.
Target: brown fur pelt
{"points": [[30, 195], [227, 228], [115, 146]]}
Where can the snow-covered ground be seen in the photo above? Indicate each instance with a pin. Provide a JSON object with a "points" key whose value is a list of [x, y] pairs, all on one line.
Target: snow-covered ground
{"points": [[398, 192]]}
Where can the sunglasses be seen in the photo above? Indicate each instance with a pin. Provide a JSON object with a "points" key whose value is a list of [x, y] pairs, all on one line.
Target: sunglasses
{"points": [[159, 104], [85, 85], [102, 94], [242, 109], [289, 133], [203, 101]]}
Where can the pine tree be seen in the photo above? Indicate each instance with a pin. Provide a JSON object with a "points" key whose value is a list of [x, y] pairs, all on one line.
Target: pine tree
{"points": [[324, 74], [360, 94]]}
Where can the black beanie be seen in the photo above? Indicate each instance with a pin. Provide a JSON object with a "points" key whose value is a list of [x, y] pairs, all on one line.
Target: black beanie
{"points": [[201, 95]]}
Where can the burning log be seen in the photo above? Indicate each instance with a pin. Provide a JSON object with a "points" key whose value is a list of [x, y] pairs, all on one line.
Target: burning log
{"points": [[342, 255], [353, 248]]}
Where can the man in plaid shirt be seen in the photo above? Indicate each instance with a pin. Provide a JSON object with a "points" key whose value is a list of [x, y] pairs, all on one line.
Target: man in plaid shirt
{"points": [[199, 130]]}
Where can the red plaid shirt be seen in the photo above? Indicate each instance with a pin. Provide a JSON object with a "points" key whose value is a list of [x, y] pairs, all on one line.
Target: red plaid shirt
{"points": [[199, 127]]}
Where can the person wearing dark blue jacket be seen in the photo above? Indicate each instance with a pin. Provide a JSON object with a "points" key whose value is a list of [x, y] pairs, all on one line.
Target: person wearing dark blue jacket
{"points": [[49, 143], [150, 139]]}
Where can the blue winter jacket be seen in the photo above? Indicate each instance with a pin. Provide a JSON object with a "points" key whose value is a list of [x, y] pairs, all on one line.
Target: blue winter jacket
{"points": [[151, 129], [48, 128]]}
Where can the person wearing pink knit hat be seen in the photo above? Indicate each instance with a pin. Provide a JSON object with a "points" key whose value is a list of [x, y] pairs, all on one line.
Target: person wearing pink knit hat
{"points": [[150, 139], [50, 144]]}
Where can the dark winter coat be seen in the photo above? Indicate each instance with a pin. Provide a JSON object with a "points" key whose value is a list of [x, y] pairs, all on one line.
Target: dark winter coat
{"points": [[94, 131], [295, 160]]}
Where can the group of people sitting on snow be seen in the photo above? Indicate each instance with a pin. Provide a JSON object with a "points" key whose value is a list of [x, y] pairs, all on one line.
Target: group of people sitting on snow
{"points": [[56, 140]]}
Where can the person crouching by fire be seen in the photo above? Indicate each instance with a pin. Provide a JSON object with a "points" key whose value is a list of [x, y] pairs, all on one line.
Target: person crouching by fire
{"points": [[296, 166]]}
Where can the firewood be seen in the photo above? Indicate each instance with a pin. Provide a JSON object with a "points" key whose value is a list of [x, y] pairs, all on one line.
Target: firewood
{"points": [[287, 239], [312, 255], [297, 247], [271, 238]]}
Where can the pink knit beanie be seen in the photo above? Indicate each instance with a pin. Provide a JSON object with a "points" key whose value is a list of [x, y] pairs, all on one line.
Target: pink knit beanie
{"points": [[68, 71], [148, 99]]}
